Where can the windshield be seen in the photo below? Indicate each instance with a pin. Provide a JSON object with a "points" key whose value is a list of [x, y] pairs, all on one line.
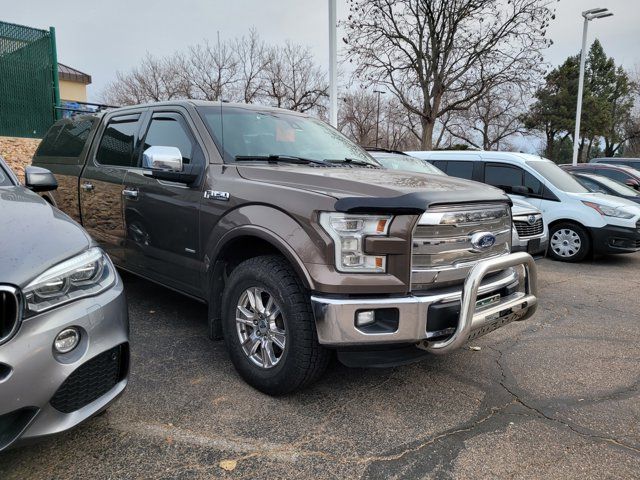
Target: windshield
{"points": [[395, 161], [557, 177], [243, 134], [617, 187]]}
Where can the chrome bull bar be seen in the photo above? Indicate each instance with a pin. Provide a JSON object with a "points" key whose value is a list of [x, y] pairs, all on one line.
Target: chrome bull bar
{"points": [[472, 323]]}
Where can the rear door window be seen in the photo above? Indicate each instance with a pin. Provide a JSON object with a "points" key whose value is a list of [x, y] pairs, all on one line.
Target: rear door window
{"points": [[119, 142], [503, 176], [459, 169], [66, 138]]}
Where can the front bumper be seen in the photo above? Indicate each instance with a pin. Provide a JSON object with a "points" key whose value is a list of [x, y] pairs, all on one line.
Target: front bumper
{"points": [[614, 239], [535, 246], [36, 381], [405, 319]]}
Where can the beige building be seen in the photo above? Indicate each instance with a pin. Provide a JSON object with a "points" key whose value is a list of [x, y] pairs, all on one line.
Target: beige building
{"points": [[73, 84]]}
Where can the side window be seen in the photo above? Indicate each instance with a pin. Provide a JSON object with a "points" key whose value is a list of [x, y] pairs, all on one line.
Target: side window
{"points": [[535, 185], [67, 138], [614, 174], [441, 164], [460, 169], [118, 142], [502, 176], [171, 131]]}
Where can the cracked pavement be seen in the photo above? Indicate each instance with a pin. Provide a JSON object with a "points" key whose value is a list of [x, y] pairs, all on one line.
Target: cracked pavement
{"points": [[556, 396]]}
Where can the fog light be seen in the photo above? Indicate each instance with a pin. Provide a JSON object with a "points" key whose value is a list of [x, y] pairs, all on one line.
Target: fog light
{"points": [[365, 317], [67, 340]]}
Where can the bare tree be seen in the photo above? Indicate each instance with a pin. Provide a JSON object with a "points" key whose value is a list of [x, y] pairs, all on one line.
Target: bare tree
{"points": [[293, 80], [153, 80], [357, 116], [210, 69], [491, 121], [253, 58], [438, 56]]}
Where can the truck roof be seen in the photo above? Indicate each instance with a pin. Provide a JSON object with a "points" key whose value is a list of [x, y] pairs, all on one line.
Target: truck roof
{"points": [[207, 103]]}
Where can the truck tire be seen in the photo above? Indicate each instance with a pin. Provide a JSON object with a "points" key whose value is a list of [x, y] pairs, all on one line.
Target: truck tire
{"points": [[568, 242], [269, 327]]}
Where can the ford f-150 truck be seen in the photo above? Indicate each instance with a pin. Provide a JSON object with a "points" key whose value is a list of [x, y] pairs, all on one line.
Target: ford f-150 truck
{"points": [[294, 236]]}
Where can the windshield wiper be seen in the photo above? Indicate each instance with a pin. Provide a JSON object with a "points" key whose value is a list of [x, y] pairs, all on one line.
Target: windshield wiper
{"points": [[281, 159], [354, 161]]}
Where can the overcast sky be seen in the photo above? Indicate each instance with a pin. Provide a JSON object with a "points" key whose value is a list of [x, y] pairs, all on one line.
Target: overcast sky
{"points": [[101, 37]]}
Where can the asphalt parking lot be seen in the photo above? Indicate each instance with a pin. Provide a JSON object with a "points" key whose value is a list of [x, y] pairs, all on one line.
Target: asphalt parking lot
{"points": [[554, 397]]}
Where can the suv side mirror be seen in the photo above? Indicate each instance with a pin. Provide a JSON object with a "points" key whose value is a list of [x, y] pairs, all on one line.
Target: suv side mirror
{"points": [[633, 183], [168, 159], [166, 164], [39, 179]]}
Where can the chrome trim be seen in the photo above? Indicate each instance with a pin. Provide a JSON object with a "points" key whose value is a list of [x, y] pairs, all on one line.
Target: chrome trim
{"points": [[335, 317], [17, 304]]}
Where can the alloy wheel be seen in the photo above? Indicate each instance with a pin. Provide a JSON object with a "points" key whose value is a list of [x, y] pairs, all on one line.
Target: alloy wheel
{"points": [[261, 327]]}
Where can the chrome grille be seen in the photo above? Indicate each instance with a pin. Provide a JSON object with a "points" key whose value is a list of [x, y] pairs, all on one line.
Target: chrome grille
{"points": [[9, 312], [443, 242], [526, 229]]}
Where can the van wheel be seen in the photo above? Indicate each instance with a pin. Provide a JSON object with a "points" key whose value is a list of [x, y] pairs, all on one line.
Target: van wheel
{"points": [[568, 242], [269, 328]]}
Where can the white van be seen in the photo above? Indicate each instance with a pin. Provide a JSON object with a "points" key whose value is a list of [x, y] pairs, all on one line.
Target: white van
{"points": [[579, 222]]}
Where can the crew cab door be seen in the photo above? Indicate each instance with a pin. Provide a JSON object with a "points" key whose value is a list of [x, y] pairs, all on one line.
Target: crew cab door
{"points": [[100, 185], [162, 216]]}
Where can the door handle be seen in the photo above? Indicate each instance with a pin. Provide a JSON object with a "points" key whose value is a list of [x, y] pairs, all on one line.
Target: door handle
{"points": [[130, 193], [87, 186]]}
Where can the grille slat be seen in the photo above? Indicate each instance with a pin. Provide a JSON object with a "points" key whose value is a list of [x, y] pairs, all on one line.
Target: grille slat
{"points": [[526, 229], [443, 252], [9, 312], [91, 380]]}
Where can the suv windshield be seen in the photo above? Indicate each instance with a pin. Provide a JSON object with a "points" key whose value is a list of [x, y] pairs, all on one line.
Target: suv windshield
{"points": [[395, 161], [557, 177], [242, 133]]}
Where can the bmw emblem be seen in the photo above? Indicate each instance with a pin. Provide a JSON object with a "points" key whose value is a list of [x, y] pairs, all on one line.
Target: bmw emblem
{"points": [[483, 240], [531, 219]]}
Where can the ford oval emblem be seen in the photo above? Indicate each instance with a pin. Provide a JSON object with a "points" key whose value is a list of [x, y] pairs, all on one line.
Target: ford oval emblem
{"points": [[483, 240]]}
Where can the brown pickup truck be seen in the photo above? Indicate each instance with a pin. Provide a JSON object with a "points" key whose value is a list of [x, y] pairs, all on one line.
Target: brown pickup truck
{"points": [[296, 238]]}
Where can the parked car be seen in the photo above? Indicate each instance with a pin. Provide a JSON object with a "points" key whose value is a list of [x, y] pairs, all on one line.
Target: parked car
{"points": [[579, 222], [629, 162], [297, 240], [64, 352], [600, 184], [622, 173], [529, 234]]}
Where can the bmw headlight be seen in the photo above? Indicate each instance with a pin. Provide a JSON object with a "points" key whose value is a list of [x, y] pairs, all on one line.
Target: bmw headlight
{"points": [[616, 212], [84, 275], [348, 233]]}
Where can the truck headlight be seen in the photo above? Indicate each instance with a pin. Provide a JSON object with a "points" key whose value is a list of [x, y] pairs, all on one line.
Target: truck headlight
{"points": [[609, 211], [348, 233], [84, 275]]}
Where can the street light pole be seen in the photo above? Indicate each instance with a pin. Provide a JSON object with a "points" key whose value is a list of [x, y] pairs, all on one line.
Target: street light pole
{"points": [[588, 15], [379, 92], [333, 65]]}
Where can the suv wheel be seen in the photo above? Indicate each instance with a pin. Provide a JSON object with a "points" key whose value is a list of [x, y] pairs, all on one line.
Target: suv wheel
{"points": [[568, 242], [269, 328]]}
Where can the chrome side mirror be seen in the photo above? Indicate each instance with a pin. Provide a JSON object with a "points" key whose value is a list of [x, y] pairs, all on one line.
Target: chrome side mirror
{"points": [[168, 159], [39, 179]]}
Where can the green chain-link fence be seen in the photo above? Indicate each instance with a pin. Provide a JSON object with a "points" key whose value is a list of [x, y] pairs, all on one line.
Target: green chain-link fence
{"points": [[28, 80]]}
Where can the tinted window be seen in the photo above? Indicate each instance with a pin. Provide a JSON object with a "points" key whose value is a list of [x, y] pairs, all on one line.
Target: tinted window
{"points": [[535, 185], [460, 169], [441, 164], [170, 132], [66, 138], [118, 142], [615, 174], [502, 176]]}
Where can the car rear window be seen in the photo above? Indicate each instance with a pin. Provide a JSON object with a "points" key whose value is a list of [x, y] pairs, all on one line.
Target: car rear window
{"points": [[66, 138]]}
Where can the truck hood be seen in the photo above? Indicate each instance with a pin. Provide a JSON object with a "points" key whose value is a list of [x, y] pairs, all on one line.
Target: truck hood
{"points": [[365, 190], [34, 236]]}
